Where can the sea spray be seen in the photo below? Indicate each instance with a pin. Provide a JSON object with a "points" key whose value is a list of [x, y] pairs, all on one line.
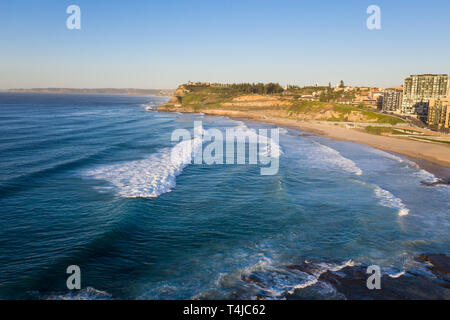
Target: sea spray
{"points": [[156, 175], [263, 149], [151, 177], [387, 199], [324, 156]]}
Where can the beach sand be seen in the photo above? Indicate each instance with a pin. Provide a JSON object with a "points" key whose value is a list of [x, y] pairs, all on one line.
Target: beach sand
{"points": [[432, 157], [429, 156]]}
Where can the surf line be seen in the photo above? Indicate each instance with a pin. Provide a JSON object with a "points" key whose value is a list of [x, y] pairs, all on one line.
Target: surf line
{"points": [[262, 149]]}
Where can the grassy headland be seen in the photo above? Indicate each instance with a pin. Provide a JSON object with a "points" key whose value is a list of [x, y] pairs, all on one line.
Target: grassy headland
{"points": [[269, 100]]}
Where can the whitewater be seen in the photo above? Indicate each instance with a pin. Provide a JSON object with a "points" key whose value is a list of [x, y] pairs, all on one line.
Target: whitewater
{"points": [[96, 181], [156, 175]]}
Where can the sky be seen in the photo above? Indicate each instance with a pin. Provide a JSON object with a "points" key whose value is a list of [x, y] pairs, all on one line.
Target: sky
{"points": [[161, 44]]}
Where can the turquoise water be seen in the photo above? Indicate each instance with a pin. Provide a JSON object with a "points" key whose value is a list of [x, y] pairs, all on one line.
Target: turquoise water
{"points": [[84, 180]]}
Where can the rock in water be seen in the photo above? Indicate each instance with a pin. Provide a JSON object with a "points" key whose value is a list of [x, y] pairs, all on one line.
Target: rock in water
{"points": [[439, 265]]}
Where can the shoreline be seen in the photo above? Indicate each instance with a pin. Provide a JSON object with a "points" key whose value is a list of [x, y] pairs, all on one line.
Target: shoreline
{"points": [[431, 157]]}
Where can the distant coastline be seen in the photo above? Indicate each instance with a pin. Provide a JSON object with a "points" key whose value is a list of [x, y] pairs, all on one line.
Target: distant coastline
{"points": [[128, 91]]}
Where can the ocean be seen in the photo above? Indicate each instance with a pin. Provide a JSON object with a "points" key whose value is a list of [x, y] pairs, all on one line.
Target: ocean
{"points": [[88, 180]]}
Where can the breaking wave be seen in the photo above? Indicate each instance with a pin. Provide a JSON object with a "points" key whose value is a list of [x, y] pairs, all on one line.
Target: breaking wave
{"points": [[420, 173], [156, 175], [269, 280], [387, 199], [267, 146], [151, 177], [333, 159], [392, 156], [397, 275]]}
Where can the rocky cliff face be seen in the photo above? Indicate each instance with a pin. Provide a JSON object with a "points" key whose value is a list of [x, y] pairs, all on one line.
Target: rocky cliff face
{"points": [[226, 101], [178, 95], [350, 281]]}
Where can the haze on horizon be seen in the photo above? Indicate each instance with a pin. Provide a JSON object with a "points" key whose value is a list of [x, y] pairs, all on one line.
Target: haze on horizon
{"points": [[152, 44]]}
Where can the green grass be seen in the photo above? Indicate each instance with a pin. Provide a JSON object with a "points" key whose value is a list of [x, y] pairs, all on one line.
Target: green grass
{"points": [[214, 97], [382, 118], [432, 140], [390, 131], [193, 98], [303, 106], [408, 131], [379, 130], [345, 108]]}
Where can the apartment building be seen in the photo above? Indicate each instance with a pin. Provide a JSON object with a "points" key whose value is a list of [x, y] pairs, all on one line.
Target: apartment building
{"points": [[392, 99], [418, 90], [439, 113]]}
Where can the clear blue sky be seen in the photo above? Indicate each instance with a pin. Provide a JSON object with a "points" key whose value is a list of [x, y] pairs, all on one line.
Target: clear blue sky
{"points": [[159, 44]]}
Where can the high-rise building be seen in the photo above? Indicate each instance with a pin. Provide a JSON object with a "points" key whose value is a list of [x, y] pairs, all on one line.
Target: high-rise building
{"points": [[419, 89], [439, 113], [392, 99]]}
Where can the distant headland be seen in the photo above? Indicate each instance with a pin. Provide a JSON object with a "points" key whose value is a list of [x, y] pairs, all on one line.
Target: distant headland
{"points": [[130, 91]]}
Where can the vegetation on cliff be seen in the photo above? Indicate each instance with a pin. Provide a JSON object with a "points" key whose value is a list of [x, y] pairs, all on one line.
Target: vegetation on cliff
{"points": [[266, 100]]}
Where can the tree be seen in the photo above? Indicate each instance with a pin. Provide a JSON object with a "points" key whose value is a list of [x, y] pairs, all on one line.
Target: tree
{"points": [[341, 84]]}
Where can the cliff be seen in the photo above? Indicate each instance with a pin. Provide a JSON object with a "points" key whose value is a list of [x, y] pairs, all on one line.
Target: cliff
{"points": [[231, 101]]}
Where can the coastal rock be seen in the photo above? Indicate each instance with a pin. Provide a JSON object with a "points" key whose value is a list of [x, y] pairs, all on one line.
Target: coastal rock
{"points": [[306, 267], [436, 182], [439, 265], [337, 280], [178, 95], [252, 279], [350, 282]]}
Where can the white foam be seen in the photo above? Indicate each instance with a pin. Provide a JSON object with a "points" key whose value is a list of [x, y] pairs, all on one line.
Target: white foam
{"points": [[391, 156], [333, 159], [267, 146], [303, 285], [421, 173], [277, 280], [425, 175], [348, 263], [387, 199], [283, 131], [324, 267], [85, 294], [156, 175], [151, 177], [150, 106], [397, 275]]}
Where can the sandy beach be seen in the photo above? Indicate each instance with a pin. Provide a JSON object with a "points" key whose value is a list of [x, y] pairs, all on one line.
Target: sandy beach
{"points": [[434, 153], [430, 156]]}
